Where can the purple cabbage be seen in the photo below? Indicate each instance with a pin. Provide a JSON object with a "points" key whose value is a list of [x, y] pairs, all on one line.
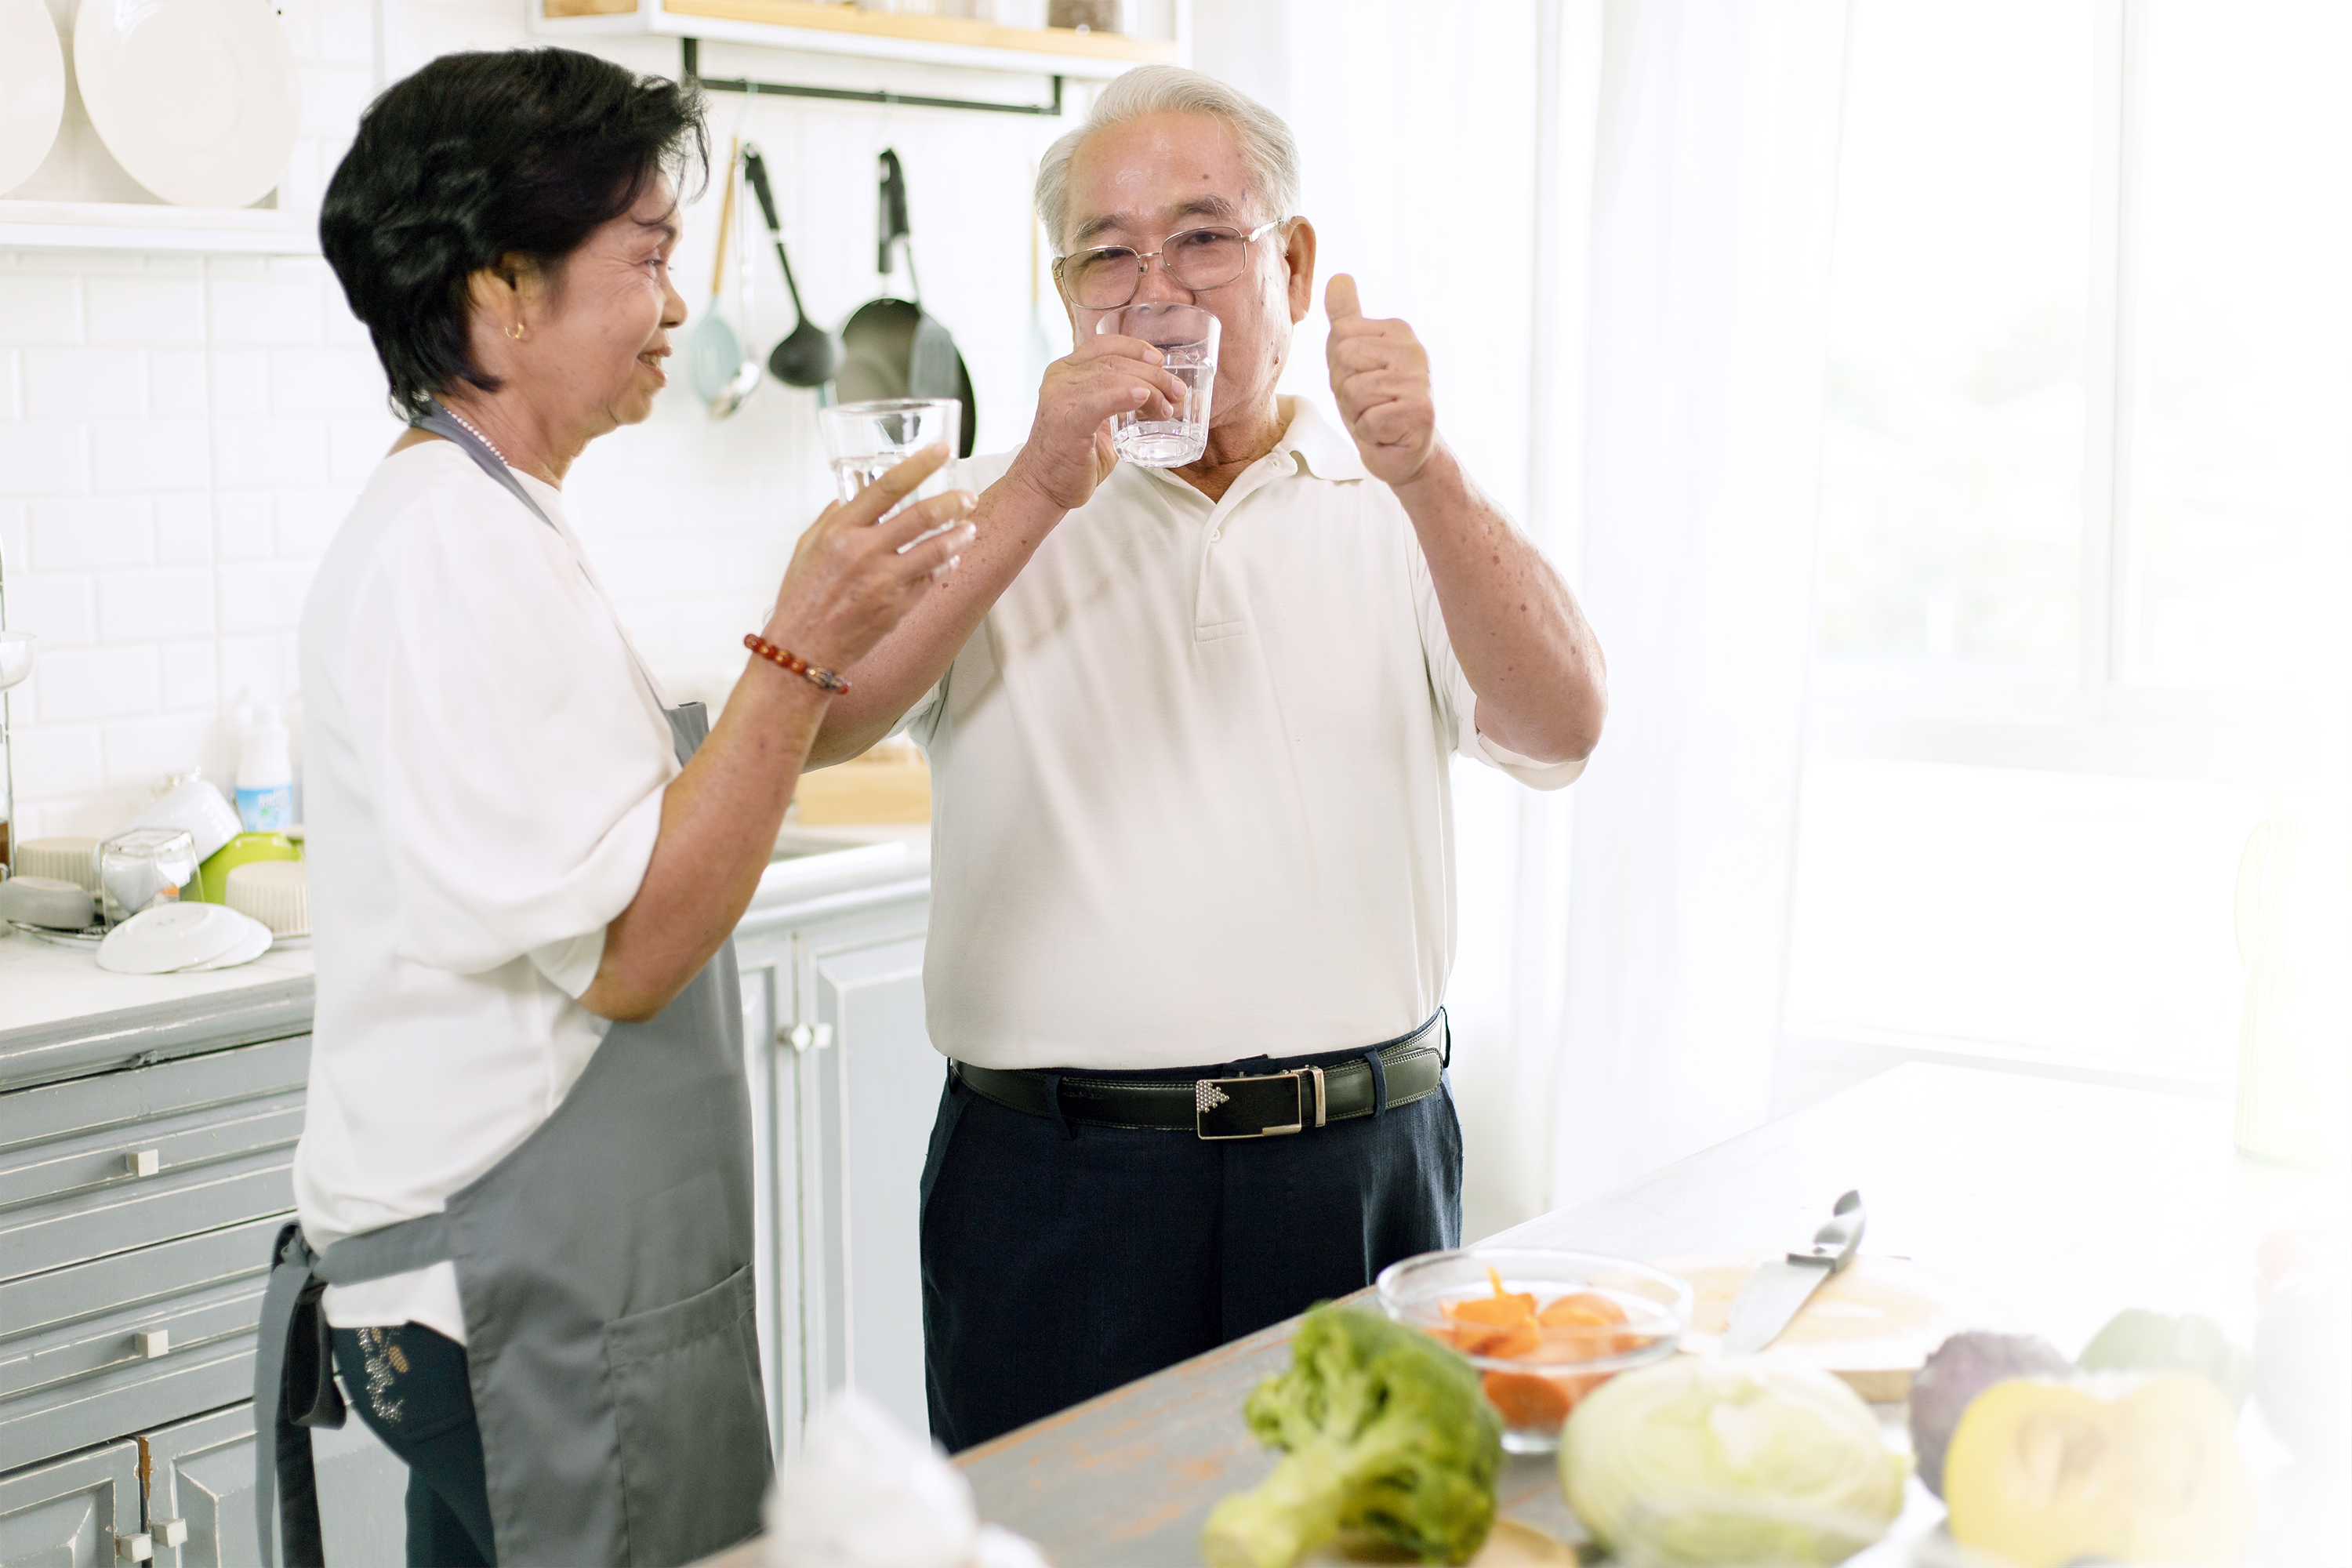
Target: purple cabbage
{"points": [[1963, 1367]]}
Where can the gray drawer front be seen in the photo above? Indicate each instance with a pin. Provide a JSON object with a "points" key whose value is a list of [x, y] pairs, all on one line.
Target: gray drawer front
{"points": [[50, 1368], [88, 1105], [44, 1301], [67, 1514], [113, 1403], [201, 1472], [102, 1161], [140, 1213]]}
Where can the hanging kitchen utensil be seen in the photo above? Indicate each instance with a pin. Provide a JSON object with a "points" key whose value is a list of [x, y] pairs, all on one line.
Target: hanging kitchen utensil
{"points": [[747, 369], [893, 347], [808, 354], [714, 353]]}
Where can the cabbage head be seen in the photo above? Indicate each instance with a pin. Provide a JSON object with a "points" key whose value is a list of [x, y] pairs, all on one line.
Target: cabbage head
{"points": [[1756, 1461]]}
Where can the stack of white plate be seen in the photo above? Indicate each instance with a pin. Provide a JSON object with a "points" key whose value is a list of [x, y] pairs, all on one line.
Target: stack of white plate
{"points": [[178, 938]]}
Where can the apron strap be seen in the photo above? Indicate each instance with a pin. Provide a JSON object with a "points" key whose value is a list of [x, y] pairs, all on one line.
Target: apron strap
{"points": [[294, 1375]]}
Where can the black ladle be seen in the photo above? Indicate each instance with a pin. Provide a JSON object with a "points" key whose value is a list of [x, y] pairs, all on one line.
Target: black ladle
{"points": [[809, 354]]}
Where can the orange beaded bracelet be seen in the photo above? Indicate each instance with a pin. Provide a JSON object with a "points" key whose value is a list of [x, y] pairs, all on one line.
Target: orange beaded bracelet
{"points": [[822, 680]]}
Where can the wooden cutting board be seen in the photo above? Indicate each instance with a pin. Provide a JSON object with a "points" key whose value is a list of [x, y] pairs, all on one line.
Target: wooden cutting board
{"points": [[1872, 1325]]}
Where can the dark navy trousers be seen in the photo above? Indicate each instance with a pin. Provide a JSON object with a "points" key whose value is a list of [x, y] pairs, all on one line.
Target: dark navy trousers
{"points": [[1060, 1261]]}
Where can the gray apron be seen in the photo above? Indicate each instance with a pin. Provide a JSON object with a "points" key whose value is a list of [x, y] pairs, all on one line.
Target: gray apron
{"points": [[605, 1267]]}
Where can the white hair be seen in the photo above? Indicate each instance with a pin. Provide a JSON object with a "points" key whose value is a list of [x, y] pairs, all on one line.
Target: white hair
{"points": [[1269, 151]]}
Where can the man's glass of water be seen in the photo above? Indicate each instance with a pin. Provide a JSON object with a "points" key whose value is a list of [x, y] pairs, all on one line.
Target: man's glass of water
{"points": [[1156, 436], [866, 440]]}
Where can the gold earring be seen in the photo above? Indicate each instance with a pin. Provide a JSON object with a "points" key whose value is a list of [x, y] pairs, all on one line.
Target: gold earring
{"points": [[517, 332]]}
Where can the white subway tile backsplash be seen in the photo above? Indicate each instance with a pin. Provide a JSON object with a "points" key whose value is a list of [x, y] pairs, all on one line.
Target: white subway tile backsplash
{"points": [[12, 376], [38, 458], [75, 533], [240, 382], [137, 606], [155, 455], [242, 529], [357, 444], [141, 752], [254, 670], [269, 310], [263, 597], [58, 607], [176, 384], [270, 452], [85, 382], [16, 533], [144, 311], [40, 310], [307, 521], [183, 528], [191, 674], [57, 760], [79, 685], [326, 381]]}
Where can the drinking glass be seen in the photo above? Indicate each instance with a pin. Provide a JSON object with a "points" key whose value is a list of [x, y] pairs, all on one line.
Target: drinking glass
{"points": [[866, 440], [1158, 436], [142, 867]]}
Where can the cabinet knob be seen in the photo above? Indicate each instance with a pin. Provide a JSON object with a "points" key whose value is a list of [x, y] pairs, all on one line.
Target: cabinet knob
{"points": [[169, 1532], [155, 1343], [134, 1548], [143, 1161], [806, 1036]]}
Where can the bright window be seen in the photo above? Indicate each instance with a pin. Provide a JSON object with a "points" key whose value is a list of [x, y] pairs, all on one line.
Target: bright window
{"points": [[2086, 512]]}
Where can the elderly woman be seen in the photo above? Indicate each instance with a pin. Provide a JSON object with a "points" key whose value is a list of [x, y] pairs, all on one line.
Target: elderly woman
{"points": [[524, 1187]]}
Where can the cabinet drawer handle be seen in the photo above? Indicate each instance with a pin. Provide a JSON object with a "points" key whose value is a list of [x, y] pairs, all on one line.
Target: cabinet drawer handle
{"points": [[155, 1343], [806, 1036], [134, 1548], [143, 1161], [169, 1532]]}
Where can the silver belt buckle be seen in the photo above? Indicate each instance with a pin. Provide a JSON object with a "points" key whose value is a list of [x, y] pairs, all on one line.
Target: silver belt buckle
{"points": [[1228, 1108]]}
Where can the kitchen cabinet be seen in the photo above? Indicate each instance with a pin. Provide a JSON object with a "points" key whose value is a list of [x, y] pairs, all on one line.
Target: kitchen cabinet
{"points": [[68, 1513], [844, 1085], [145, 1163]]}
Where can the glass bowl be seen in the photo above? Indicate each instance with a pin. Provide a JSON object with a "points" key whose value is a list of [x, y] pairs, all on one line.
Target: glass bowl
{"points": [[1591, 1316]]}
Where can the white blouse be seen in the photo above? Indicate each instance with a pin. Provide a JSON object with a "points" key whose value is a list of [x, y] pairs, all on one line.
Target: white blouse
{"points": [[484, 762]]}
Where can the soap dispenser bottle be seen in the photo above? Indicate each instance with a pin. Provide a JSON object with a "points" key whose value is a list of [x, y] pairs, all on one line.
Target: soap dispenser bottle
{"points": [[265, 776]]}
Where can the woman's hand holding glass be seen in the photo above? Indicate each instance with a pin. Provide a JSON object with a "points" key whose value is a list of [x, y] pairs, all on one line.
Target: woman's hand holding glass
{"points": [[856, 571]]}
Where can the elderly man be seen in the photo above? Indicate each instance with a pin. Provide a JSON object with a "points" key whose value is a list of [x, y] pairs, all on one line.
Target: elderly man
{"points": [[1189, 730]]}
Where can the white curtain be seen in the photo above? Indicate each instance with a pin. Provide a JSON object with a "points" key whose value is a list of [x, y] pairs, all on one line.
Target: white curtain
{"points": [[1714, 194]]}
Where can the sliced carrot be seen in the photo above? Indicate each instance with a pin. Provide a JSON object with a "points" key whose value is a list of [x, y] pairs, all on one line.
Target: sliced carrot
{"points": [[1527, 1400], [1583, 1308]]}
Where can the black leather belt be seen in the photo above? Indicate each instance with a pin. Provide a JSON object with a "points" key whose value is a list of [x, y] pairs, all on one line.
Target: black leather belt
{"points": [[1322, 1089]]}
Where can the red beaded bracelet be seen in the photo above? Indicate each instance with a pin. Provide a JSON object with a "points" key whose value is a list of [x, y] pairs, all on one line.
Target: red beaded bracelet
{"points": [[822, 680]]}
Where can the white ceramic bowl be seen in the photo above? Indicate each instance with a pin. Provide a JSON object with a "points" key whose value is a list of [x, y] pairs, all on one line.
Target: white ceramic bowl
{"points": [[15, 657], [32, 91], [199, 99]]}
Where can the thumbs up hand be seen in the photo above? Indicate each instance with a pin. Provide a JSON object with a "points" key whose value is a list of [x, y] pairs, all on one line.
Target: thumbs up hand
{"points": [[1380, 375]]}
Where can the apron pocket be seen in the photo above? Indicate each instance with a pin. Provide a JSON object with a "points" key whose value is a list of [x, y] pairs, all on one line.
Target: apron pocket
{"points": [[692, 1423]]}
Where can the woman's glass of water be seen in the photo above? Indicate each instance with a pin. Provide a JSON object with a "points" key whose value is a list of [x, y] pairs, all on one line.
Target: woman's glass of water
{"points": [[1158, 436], [866, 440]]}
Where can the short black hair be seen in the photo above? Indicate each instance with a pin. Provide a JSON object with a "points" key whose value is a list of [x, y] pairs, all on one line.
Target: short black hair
{"points": [[478, 156]]}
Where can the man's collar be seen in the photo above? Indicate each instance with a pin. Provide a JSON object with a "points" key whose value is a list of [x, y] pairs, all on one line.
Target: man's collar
{"points": [[1323, 449]]}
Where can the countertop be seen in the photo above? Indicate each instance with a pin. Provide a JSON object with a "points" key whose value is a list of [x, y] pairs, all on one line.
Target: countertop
{"points": [[60, 1015], [2058, 1203]]}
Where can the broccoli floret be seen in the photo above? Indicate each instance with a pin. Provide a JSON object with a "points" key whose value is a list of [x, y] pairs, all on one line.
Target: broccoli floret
{"points": [[1386, 1433]]}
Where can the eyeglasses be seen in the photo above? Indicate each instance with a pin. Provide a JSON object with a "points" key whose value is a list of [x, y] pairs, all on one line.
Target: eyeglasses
{"points": [[1106, 277]]}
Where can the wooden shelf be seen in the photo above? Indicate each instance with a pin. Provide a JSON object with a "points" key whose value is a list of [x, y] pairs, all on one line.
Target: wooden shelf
{"points": [[846, 30], [138, 226]]}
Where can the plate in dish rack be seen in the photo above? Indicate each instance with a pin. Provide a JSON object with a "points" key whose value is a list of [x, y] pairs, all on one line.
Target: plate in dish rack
{"points": [[32, 89], [199, 99]]}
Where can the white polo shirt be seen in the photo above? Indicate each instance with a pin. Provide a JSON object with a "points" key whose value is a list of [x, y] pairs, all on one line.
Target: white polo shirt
{"points": [[1190, 777], [485, 760]]}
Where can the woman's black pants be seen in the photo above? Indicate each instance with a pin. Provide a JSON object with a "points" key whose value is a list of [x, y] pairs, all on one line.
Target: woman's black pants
{"points": [[411, 1388]]}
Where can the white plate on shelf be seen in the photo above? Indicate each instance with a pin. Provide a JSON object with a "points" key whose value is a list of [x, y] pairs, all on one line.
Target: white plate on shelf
{"points": [[32, 89], [199, 99]]}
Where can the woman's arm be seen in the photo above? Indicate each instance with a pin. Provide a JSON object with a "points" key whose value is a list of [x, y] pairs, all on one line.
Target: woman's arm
{"points": [[848, 585]]}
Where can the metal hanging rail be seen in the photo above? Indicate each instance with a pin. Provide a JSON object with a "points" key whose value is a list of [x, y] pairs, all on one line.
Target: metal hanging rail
{"points": [[691, 53]]}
